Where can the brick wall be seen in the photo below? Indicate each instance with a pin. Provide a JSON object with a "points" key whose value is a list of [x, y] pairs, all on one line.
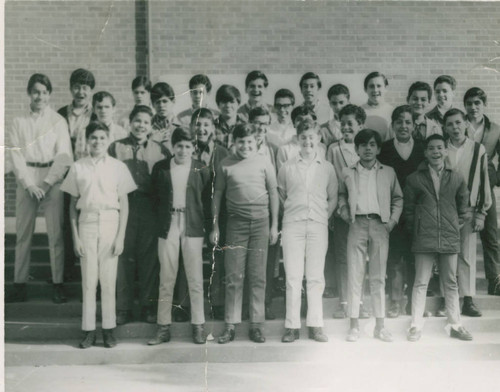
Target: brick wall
{"points": [[341, 41]]}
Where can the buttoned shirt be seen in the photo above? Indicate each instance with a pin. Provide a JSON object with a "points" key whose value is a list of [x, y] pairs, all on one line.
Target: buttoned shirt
{"points": [[139, 158], [436, 179], [367, 190], [78, 119], [404, 149], [39, 138], [455, 153], [341, 155], [180, 175], [98, 183], [224, 132], [292, 149], [305, 188]]}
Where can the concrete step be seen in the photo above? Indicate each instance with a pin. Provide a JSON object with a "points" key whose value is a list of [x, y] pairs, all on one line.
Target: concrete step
{"points": [[50, 325], [433, 347]]}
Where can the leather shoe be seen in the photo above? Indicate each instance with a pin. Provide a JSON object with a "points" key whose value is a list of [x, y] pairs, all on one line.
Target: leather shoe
{"points": [[227, 336], [352, 335], [58, 296], [363, 312], [109, 338], [18, 294], [199, 336], [88, 339], [414, 334], [470, 309], [269, 314], [290, 335], [255, 335], [441, 312], [162, 335], [382, 334], [394, 310], [123, 317], [317, 334], [340, 312], [460, 333]]}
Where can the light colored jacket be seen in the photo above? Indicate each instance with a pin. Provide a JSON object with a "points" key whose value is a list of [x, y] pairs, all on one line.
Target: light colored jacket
{"points": [[389, 195]]}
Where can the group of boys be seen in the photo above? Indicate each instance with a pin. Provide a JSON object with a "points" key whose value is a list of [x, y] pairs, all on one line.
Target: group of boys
{"points": [[150, 192]]}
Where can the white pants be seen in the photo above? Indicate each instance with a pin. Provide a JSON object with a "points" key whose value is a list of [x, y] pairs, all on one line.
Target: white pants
{"points": [[26, 209], [304, 248], [97, 233], [467, 261], [168, 252]]}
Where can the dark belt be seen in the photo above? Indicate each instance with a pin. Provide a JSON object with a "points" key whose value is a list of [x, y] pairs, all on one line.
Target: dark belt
{"points": [[177, 210], [39, 164], [369, 216]]}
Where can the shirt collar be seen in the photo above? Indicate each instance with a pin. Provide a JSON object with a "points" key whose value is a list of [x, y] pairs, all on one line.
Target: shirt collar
{"points": [[87, 108], [316, 158], [39, 114], [359, 166], [96, 161]]}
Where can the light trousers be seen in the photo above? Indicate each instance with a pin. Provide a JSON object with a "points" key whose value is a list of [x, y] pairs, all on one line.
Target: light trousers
{"points": [[168, 252], [98, 232], [467, 261], [304, 250], [367, 236], [26, 209], [447, 264]]}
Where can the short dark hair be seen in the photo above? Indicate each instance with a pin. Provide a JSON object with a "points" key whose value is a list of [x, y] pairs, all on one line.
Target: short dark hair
{"points": [[39, 78], [254, 75], [284, 93], [227, 93], [258, 111], [399, 111], [200, 79], [358, 112], [476, 92], [453, 112], [140, 109], [95, 125], [181, 135], [243, 130], [435, 136], [162, 89], [446, 79], [82, 76], [419, 86], [310, 75], [338, 89], [202, 113], [141, 81], [99, 97], [305, 125], [365, 135], [373, 75], [303, 111]]}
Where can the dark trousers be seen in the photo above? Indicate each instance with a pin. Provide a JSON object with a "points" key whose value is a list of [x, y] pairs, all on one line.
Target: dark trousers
{"points": [[140, 255], [400, 265], [489, 239], [70, 258]]}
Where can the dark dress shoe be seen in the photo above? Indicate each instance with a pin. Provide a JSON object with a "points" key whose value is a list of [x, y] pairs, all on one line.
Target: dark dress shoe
{"points": [[88, 339], [162, 335], [394, 310], [227, 336], [340, 312], [460, 333], [290, 335], [58, 296], [218, 312], [109, 338], [199, 336], [382, 334], [123, 317], [18, 294], [363, 312], [414, 334], [181, 315], [317, 334], [441, 312], [470, 309], [255, 335], [269, 314]]}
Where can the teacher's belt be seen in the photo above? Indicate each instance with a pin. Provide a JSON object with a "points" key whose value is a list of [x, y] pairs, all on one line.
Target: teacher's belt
{"points": [[39, 164]]}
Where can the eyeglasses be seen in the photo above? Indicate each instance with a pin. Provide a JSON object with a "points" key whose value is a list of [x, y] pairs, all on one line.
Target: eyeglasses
{"points": [[284, 106]]}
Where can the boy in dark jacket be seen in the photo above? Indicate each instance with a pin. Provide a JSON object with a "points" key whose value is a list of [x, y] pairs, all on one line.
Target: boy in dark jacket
{"points": [[435, 207]]}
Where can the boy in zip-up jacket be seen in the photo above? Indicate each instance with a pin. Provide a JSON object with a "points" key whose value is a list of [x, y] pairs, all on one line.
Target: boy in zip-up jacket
{"points": [[179, 184], [435, 208]]}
